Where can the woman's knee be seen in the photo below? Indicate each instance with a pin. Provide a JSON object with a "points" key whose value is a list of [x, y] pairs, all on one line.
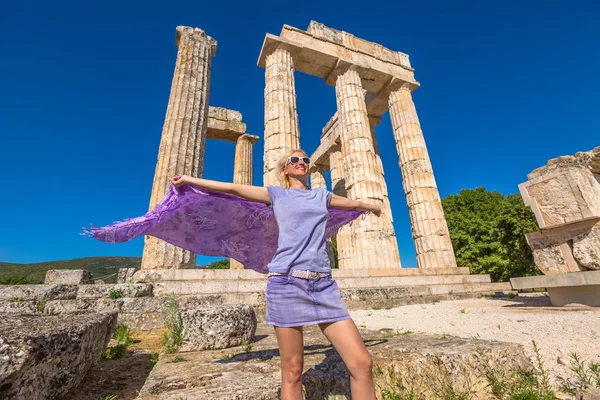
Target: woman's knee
{"points": [[291, 369], [362, 365]]}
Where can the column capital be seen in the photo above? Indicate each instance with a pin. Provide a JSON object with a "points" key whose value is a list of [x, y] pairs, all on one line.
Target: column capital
{"points": [[321, 168], [270, 48], [195, 34], [249, 138], [401, 85], [340, 69]]}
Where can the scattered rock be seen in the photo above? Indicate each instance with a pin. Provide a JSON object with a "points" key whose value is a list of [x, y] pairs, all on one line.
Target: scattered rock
{"points": [[42, 357], [217, 328], [69, 277]]}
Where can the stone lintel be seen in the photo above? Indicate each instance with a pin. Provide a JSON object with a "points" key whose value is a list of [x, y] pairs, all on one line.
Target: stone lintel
{"points": [[330, 139], [583, 278], [225, 124], [318, 57], [180, 30]]}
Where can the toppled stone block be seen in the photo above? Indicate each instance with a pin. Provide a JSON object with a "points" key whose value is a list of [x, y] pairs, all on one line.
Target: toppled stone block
{"points": [[42, 357], [38, 292], [586, 248], [217, 328], [125, 275], [68, 277], [116, 291]]}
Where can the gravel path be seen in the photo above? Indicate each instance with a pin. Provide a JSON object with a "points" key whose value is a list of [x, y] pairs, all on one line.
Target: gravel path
{"points": [[558, 331]]}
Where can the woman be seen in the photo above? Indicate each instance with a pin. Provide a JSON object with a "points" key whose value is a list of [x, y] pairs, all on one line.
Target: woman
{"points": [[300, 290]]}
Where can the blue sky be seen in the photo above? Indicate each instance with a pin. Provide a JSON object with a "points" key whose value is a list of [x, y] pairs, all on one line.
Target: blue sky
{"points": [[505, 86]]}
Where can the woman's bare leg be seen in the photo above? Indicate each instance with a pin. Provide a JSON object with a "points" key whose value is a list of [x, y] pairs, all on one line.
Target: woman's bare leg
{"points": [[291, 350], [344, 336]]}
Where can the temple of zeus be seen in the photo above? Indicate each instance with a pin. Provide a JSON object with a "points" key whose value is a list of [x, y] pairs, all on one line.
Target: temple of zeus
{"points": [[369, 80]]}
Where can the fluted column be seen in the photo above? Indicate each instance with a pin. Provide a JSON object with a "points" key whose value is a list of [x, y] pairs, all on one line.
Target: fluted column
{"points": [[242, 167], [183, 138], [281, 118], [364, 178], [317, 180], [242, 171], [345, 249], [389, 243], [429, 228]]}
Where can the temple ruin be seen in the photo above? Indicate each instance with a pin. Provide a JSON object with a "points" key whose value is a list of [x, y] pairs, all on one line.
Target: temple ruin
{"points": [[369, 80]]}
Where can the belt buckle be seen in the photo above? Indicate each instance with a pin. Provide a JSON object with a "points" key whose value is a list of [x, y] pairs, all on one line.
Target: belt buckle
{"points": [[313, 275]]}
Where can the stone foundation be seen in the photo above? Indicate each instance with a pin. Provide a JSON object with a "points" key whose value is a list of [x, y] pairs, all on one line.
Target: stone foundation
{"points": [[234, 373]]}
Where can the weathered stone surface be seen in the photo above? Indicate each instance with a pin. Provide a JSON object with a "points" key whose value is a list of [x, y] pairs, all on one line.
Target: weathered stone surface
{"points": [[42, 357], [256, 374], [588, 394], [125, 290], [281, 116], [38, 292], [552, 253], [183, 140], [125, 275], [586, 248], [564, 195], [217, 328], [68, 277]]}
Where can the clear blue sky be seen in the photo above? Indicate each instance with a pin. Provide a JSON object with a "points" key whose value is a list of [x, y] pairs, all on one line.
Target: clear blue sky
{"points": [[84, 88]]}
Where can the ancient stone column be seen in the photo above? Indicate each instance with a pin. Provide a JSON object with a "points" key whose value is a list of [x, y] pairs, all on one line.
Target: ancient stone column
{"points": [[429, 228], [242, 167], [281, 118], [389, 241], [242, 171], [364, 176], [345, 248], [183, 138], [317, 180]]}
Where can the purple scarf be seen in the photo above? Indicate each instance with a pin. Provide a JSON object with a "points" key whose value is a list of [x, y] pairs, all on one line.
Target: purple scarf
{"points": [[213, 224]]}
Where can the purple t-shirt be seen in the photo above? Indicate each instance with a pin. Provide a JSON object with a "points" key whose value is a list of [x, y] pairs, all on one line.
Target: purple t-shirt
{"points": [[301, 216]]}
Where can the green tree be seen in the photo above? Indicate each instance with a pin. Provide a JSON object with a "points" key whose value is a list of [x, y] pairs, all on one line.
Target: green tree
{"points": [[488, 233], [221, 264]]}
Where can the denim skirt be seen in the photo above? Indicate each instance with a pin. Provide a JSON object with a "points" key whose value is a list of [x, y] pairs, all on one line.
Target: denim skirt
{"points": [[293, 301]]}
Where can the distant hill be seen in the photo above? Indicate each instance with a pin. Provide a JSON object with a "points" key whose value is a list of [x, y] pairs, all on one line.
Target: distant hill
{"points": [[104, 268]]}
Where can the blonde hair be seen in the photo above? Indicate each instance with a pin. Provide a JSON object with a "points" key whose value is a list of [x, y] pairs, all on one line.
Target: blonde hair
{"points": [[285, 180]]}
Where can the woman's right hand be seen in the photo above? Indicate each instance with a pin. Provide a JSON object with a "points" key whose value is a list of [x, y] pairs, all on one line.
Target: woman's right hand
{"points": [[180, 180]]}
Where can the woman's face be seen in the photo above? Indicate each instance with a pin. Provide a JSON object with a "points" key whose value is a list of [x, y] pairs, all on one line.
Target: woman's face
{"points": [[299, 169]]}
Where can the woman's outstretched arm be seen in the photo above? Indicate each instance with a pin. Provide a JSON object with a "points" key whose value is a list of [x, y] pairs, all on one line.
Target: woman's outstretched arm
{"points": [[347, 204], [248, 192]]}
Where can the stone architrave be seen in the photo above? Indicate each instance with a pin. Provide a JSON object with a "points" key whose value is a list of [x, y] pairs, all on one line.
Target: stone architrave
{"points": [[430, 231], [363, 176], [281, 118], [242, 171], [183, 138]]}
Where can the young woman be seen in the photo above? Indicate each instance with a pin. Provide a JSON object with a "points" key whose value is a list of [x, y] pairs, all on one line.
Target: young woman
{"points": [[300, 290]]}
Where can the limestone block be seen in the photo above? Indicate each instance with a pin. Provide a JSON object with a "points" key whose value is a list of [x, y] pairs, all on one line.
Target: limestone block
{"points": [[38, 292], [125, 289], [563, 196], [42, 357], [68, 277], [217, 328], [552, 253], [586, 248], [125, 275]]}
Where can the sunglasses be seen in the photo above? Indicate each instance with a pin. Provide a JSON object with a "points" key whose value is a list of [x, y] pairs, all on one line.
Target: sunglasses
{"points": [[295, 160]]}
